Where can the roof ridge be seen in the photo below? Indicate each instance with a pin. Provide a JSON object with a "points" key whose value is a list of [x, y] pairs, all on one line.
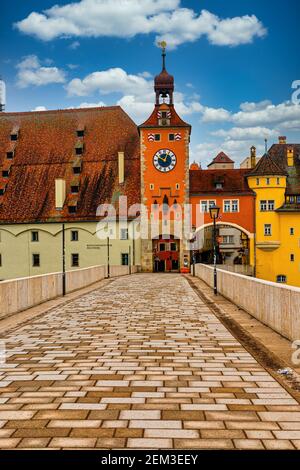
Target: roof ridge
{"points": [[64, 110]]}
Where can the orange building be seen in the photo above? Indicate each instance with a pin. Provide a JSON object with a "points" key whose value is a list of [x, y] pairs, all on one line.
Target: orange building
{"points": [[164, 153]]}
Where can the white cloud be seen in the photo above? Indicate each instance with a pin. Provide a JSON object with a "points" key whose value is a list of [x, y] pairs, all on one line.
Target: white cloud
{"points": [[100, 104], [246, 133], [31, 72], [112, 80], [215, 114], [127, 18], [74, 45], [39, 108], [270, 114]]}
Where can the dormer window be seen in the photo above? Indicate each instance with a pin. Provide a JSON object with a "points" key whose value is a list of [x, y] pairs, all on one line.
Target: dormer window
{"points": [[219, 185], [5, 173], [80, 133], [72, 209], [77, 166], [13, 137], [9, 155], [79, 150], [74, 189]]}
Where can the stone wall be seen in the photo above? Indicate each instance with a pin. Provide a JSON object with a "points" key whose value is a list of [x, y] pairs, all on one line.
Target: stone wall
{"points": [[20, 294], [275, 305]]}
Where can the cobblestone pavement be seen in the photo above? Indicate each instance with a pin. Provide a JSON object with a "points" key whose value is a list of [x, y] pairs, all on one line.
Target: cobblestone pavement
{"points": [[140, 363]]}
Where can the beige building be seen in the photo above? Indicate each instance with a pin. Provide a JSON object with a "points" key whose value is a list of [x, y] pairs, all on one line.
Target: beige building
{"points": [[57, 169]]}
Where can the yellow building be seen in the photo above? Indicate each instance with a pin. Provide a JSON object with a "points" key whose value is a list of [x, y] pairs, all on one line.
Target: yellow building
{"points": [[276, 183]]}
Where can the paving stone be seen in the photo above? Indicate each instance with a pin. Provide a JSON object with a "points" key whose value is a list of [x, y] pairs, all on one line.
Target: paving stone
{"points": [[130, 365]]}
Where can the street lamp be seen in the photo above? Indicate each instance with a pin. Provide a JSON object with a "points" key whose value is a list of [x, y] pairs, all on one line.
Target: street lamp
{"points": [[214, 214]]}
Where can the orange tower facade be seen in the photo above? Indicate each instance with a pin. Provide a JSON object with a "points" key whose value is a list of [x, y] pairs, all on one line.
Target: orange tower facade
{"points": [[164, 154]]}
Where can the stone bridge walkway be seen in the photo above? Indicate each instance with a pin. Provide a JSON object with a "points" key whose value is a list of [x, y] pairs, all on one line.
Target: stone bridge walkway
{"points": [[140, 363]]}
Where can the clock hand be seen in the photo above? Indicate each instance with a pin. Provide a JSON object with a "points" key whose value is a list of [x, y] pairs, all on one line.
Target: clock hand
{"points": [[163, 159]]}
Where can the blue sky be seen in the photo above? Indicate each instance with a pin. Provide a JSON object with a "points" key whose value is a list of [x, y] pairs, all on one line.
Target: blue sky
{"points": [[234, 63]]}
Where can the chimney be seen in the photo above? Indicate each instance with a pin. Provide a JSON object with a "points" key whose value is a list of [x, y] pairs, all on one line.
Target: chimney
{"points": [[60, 193], [253, 156], [290, 156], [121, 167], [282, 139]]}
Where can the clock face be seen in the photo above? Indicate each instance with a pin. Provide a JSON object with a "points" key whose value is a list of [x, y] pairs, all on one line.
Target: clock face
{"points": [[164, 160]]}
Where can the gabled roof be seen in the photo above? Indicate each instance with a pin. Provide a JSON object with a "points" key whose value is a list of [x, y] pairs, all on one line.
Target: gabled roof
{"points": [[44, 151], [175, 120], [267, 166], [279, 156], [221, 158], [233, 180]]}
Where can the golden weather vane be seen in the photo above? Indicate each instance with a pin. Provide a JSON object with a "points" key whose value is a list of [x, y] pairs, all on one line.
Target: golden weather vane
{"points": [[162, 44]]}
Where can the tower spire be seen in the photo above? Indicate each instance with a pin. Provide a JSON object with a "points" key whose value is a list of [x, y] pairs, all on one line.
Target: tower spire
{"points": [[163, 46], [164, 82]]}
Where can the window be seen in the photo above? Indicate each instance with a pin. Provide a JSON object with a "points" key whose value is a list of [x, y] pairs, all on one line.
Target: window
{"points": [[5, 173], [263, 205], [157, 137], [228, 240], [267, 181], [76, 170], [75, 260], [74, 236], [292, 257], [124, 234], [2, 191], [281, 278], [34, 236], [173, 247], [74, 189], [298, 199], [124, 259], [219, 185], [205, 205], [292, 231], [164, 114], [271, 205], [162, 247], [278, 181], [9, 155], [267, 205], [268, 230], [235, 205], [171, 137], [35, 260], [79, 150], [227, 206], [257, 181], [0, 259], [292, 200], [151, 186], [72, 209], [177, 186], [13, 137], [80, 133]]}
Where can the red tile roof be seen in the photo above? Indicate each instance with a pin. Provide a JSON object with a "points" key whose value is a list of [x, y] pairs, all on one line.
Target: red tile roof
{"points": [[45, 150], [221, 158], [175, 120], [233, 181], [267, 166]]}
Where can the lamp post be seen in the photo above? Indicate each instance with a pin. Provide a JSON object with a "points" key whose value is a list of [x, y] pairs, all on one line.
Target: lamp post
{"points": [[63, 260], [214, 214]]}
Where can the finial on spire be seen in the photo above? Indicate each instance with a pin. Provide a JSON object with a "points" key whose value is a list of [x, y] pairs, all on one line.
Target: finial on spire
{"points": [[163, 46], [266, 145]]}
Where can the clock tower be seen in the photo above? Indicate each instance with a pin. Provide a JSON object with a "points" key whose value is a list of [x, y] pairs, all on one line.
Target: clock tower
{"points": [[164, 138]]}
